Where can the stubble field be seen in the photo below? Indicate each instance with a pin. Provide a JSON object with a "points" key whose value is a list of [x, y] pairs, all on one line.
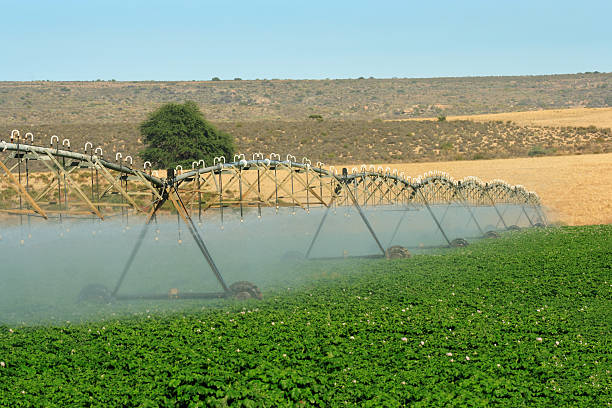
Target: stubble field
{"points": [[581, 117], [576, 189]]}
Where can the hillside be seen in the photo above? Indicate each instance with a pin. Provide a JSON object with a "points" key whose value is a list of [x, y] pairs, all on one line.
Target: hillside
{"points": [[101, 102], [355, 120], [339, 141]]}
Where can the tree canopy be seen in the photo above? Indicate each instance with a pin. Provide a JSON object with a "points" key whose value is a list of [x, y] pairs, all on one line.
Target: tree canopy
{"points": [[179, 134]]}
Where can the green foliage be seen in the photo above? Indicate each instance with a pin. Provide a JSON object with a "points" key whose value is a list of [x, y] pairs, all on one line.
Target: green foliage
{"points": [[315, 116], [446, 146], [523, 320], [215, 79], [179, 134], [441, 118], [537, 151]]}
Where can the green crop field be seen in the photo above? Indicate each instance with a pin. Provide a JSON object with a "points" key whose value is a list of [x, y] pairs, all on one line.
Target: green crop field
{"points": [[524, 320]]}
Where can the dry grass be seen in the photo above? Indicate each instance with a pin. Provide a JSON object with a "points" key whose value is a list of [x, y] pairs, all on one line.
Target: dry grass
{"points": [[581, 117], [576, 189], [599, 117]]}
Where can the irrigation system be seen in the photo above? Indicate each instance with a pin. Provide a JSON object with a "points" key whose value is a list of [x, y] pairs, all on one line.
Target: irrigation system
{"points": [[86, 184]]}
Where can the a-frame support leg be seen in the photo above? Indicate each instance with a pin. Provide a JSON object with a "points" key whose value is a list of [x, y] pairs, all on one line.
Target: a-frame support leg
{"points": [[541, 214], [497, 210], [341, 185], [182, 209], [434, 217], [139, 241], [527, 215], [399, 223], [22, 191], [467, 207], [316, 235], [363, 217]]}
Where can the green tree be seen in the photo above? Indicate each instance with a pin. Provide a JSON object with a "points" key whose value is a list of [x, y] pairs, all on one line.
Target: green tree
{"points": [[178, 134]]}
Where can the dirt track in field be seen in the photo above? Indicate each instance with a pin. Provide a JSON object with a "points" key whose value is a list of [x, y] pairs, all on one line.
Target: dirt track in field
{"points": [[577, 190]]}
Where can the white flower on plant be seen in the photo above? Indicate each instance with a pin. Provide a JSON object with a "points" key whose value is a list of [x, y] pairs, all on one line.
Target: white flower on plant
{"points": [[404, 339], [449, 354], [539, 339], [422, 343], [467, 358], [352, 337], [2, 364]]}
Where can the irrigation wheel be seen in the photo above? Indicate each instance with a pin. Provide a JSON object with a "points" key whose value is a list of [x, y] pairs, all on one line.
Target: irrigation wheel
{"points": [[491, 234], [514, 228], [397, 252], [95, 293], [458, 243], [245, 290]]}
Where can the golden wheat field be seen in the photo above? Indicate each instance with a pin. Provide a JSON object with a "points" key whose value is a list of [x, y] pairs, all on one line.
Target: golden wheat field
{"points": [[573, 117], [577, 190]]}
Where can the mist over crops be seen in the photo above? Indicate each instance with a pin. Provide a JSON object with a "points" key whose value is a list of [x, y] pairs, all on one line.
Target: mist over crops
{"points": [[45, 264]]}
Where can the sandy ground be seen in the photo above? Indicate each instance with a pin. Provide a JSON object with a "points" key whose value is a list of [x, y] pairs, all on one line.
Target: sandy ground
{"points": [[577, 190], [582, 117]]}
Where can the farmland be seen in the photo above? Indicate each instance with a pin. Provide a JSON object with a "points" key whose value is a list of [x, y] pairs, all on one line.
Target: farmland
{"points": [[576, 189], [577, 117], [521, 320]]}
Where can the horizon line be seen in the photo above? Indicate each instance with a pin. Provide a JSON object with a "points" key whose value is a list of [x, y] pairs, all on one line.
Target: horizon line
{"points": [[237, 79]]}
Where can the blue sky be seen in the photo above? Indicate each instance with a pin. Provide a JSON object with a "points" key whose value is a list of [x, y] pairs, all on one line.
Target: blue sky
{"points": [[185, 40]]}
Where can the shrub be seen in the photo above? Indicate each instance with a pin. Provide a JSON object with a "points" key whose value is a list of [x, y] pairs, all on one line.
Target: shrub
{"points": [[446, 146], [441, 118], [537, 151], [215, 79], [178, 134]]}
